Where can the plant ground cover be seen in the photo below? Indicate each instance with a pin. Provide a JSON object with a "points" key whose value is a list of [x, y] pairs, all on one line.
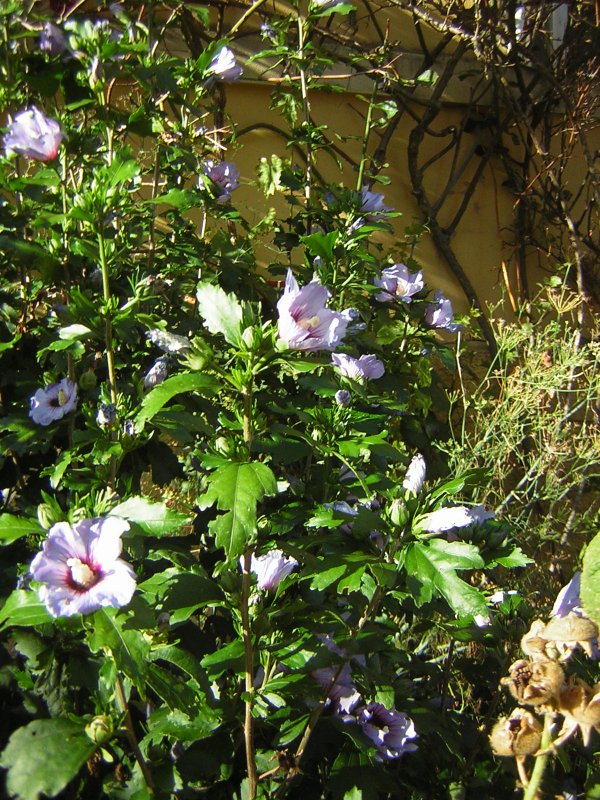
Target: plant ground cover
{"points": [[248, 549]]}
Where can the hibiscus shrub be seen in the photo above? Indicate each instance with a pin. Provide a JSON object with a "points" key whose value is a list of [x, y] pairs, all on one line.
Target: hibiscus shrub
{"points": [[307, 603]]}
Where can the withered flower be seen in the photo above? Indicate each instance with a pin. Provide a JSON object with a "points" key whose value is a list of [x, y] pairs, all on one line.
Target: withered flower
{"points": [[517, 735], [534, 682], [570, 632], [533, 643], [579, 703]]}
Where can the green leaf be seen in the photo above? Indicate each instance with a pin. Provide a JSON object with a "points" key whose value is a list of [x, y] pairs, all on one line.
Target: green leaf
{"points": [[154, 519], [590, 577], [221, 312], [321, 244], [13, 528], [128, 646], [23, 608], [161, 394], [229, 657], [121, 171], [182, 199], [236, 489], [176, 723], [43, 756], [431, 569]]}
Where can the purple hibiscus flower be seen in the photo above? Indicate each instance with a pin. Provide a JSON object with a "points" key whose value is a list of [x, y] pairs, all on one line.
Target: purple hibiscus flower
{"points": [[80, 569], [305, 323], [224, 65], [225, 178], [391, 731], [158, 372], [399, 284], [343, 695], [568, 600], [52, 40], [34, 135], [372, 203], [271, 568], [439, 314], [52, 402], [358, 369]]}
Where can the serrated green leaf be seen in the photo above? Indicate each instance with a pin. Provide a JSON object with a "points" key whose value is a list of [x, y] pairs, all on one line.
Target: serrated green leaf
{"points": [[590, 577], [43, 756], [23, 608], [178, 384], [128, 646], [221, 312], [236, 489], [155, 519], [431, 571], [13, 528]]}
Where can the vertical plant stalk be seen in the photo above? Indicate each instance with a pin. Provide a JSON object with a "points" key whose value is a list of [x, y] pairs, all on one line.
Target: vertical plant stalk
{"points": [[108, 341], [306, 107], [67, 273], [249, 668], [143, 764], [533, 788], [366, 136], [318, 710], [246, 627]]}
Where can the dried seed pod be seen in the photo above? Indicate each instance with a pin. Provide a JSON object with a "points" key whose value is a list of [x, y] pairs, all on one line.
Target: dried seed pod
{"points": [[534, 682], [579, 703], [570, 632], [534, 642], [517, 735]]}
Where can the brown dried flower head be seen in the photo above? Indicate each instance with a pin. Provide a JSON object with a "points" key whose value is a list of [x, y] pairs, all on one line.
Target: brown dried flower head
{"points": [[534, 682], [579, 703], [570, 632], [517, 735], [533, 644]]}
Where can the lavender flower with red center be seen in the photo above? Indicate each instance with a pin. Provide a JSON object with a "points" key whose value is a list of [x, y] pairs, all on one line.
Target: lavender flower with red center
{"points": [[358, 369], [391, 731], [80, 569], [439, 314], [305, 323], [225, 178], [399, 284], [415, 475], [34, 135], [271, 568], [52, 402], [224, 65]]}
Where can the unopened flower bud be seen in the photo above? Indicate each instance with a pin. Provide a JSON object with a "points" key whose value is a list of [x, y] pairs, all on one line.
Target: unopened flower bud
{"points": [[45, 516], [343, 398], [107, 415], [88, 380], [100, 729], [398, 513]]}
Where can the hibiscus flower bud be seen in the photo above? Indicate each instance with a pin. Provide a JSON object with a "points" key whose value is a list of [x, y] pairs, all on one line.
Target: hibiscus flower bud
{"points": [[439, 314], [100, 729]]}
